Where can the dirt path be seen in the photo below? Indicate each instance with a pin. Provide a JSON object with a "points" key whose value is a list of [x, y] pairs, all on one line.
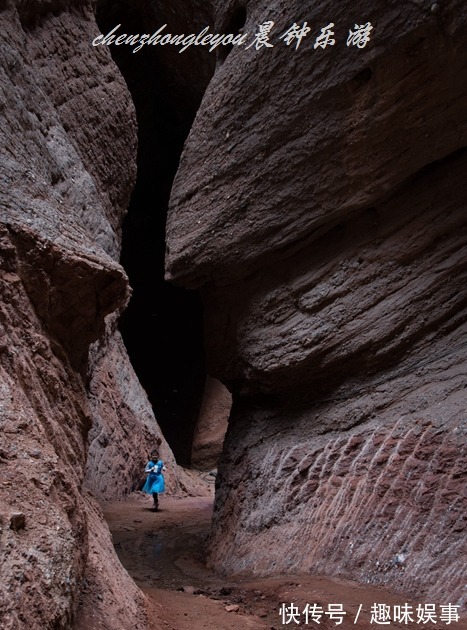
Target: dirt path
{"points": [[164, 554]]}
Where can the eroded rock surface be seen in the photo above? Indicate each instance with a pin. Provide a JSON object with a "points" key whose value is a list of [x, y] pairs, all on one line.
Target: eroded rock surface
{"points": [[124, 429], [208, 438], [68, 140], [320, 208]]}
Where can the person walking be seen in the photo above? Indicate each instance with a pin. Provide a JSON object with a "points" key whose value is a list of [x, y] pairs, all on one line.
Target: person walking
{"points": [[155, 482]]}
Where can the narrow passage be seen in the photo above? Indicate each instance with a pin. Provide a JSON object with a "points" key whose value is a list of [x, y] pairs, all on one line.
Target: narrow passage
{"points": [[165, 553]]}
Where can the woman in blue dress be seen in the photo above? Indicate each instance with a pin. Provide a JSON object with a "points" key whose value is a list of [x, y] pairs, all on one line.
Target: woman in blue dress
{"points": [[155, 481]]}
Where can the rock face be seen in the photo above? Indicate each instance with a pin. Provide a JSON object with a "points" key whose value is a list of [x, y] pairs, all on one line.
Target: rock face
{"points": [[115, 601], [209, 434], [124, 430], [68, 138], [319, 207]]}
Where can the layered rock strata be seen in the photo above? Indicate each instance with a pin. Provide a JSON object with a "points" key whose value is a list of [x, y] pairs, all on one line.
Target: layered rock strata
{"points": [[68, 138], [124, 430], [320, 208]]}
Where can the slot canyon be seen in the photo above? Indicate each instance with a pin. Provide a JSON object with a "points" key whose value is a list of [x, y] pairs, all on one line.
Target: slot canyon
{"points": [[253, 259]]}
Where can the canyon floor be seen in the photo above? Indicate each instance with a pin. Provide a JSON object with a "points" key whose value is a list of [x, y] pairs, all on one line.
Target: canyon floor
{"points": [[165, 553]]}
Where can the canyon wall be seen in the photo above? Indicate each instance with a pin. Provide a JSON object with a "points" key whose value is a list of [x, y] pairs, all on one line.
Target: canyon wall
{"points": [[68, 138], [211, 425], [124, 430], [320, 209]]}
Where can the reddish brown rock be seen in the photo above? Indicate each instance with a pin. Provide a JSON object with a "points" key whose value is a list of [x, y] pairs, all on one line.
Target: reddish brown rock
{"points": [[272, 164], [320, 208], [68, 138], [67, 415], [211, 425], [124, 429], [44, 417], [108, 597], [17, 521]]}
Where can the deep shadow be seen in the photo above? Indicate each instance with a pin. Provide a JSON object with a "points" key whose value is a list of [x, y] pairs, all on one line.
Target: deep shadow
{"points": [[162, 327]]}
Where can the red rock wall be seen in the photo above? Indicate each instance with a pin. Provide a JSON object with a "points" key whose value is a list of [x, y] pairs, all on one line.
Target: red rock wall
{"points": [[68, 138], [124, 430], [320, 208], [211, 425]]}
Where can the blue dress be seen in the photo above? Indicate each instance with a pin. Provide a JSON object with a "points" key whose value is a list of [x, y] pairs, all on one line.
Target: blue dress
{"points": [[155, 480]]}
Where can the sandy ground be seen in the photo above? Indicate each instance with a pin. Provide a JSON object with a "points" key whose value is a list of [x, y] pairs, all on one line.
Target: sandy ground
{"points": [[164, 552]]}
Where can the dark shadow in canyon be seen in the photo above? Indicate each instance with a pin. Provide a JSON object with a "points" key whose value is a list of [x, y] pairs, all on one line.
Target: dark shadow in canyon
{"points": [[162, 327]]}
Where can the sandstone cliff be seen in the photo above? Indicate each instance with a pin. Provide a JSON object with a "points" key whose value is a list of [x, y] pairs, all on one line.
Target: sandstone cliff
{"points": [[320, 208], [68, 139], [211, 425]]}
